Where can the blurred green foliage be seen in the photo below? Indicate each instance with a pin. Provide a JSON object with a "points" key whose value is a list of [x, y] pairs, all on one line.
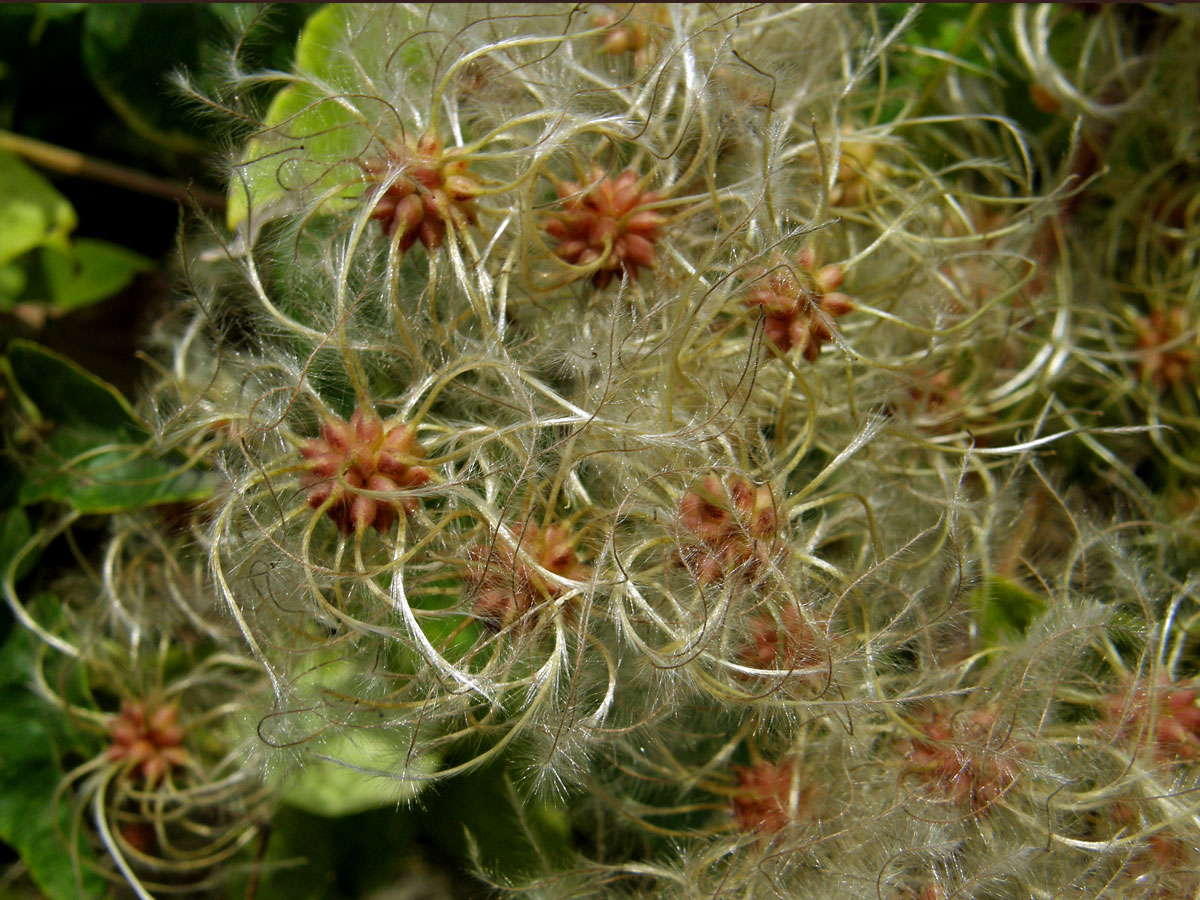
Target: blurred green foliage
{"points": [[94, 80], [33, 738]]}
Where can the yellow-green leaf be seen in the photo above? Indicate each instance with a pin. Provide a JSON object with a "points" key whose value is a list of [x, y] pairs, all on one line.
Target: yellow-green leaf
{"points": [[356, 781], [33, 736], [318, 125]]}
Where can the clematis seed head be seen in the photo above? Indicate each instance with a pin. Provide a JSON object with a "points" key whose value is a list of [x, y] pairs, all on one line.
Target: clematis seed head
{"points": [[435, 187], [352, 461], [604, 223]]}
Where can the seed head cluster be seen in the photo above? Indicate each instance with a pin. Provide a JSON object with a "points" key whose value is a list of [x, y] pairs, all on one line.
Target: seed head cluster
{"points": [[956, 759], [799, 304], [507, 589], [149, 741], [352, 462], [763, 801], [734, 524], [603, 226], [430, 190]]}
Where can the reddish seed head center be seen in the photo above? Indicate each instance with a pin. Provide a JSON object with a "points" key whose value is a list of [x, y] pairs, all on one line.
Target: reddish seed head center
{"points": [[735, 523], [507, 589], [957, 758], [352, 462], [1168, 713], [764, 800], [799, 304], [434, 188], [147, 739], [604, 224], [790, 643], [1166, 359]]}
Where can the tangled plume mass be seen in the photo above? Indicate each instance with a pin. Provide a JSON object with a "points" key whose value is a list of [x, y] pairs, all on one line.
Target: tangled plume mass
{"points": [[728, 420]]}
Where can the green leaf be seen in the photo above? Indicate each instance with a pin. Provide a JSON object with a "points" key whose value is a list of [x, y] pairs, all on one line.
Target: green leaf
{"points": [[94, 476], [130, 51], [266, 33], [15, 532], [66, 394], [455, 636], [97, 457], [485, 808], [29, 821], [32, 737], [95, 270], [12, 284], [32, 213], [1004, 610], [237, 16], [312, 137], [327, 788], [310, 129], [339, 778], [46, 13], [311, 857]]}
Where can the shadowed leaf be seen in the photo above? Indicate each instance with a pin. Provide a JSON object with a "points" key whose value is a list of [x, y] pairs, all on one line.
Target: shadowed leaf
{"points": [[96, 455]]}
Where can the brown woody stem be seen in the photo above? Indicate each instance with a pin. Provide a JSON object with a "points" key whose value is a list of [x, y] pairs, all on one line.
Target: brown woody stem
{"points": [[69, 162]]}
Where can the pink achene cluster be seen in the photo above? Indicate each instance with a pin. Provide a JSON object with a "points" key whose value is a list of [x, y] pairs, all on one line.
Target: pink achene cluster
{"points": [[147, 739], [931, 890], [1167, 359], [353, 461], [507, 589], [629, 29], [790, 643], [763, 800], [605, 223], [434, 188], [735, 524], [799, 304], [1170, 713], [935, 402], [956, 759], [935, 393]]}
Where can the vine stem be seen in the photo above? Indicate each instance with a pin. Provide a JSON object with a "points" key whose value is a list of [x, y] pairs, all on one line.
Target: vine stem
{"points": [[69, 162], [263, 837]]}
